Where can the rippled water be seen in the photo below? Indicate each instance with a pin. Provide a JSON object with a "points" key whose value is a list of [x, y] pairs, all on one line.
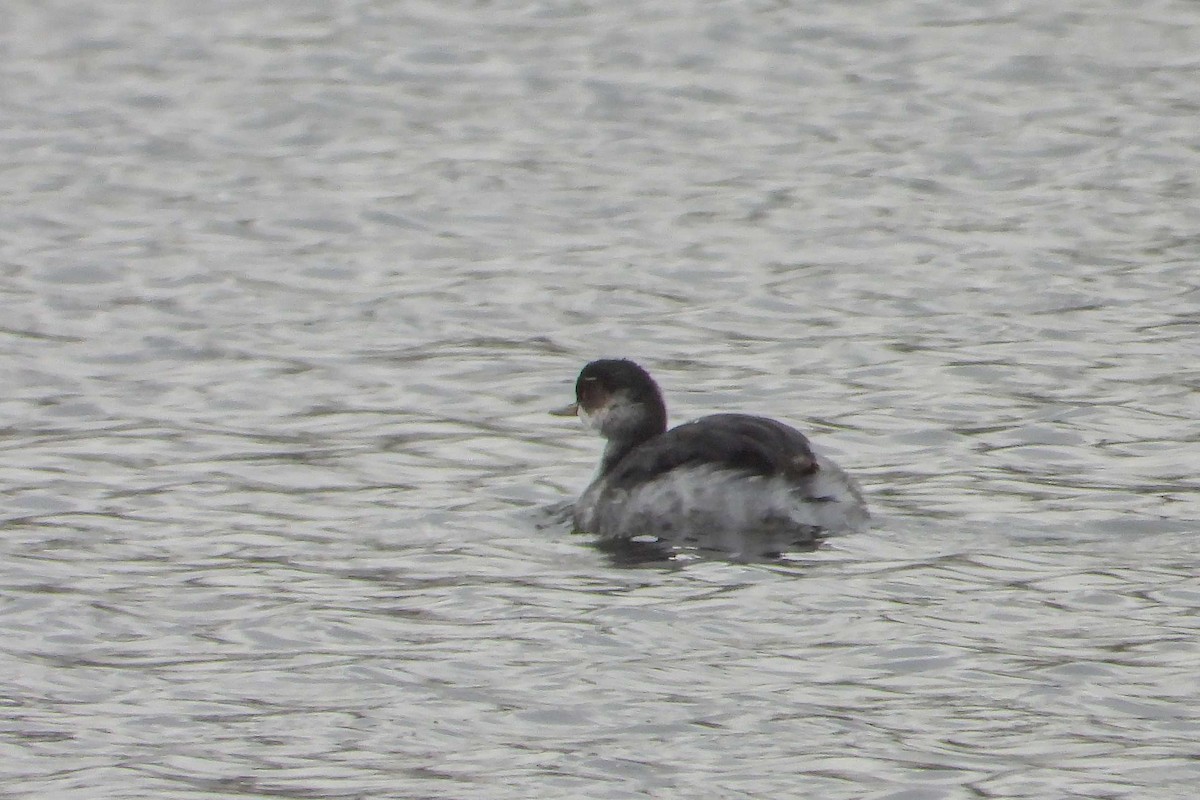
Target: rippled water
{"points": [[287, 288]]}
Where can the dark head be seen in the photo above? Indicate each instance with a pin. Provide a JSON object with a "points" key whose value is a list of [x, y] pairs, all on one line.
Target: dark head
{"points": [[620, 400]]}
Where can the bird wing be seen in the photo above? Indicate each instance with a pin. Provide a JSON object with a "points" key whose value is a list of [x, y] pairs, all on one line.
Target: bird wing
{"points": [[739, 442]]}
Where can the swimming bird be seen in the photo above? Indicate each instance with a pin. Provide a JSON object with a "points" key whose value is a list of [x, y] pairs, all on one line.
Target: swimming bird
{"points": [[733, 481]]}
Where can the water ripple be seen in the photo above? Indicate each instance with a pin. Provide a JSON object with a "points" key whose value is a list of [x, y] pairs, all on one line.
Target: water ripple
{"points": [[288, 290]]}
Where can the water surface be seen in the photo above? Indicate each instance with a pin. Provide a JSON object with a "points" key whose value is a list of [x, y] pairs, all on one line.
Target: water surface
{"points": [[287, 289]]}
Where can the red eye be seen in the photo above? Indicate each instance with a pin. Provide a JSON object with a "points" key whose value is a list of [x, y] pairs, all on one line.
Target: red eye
{"points": [[591, 394]]}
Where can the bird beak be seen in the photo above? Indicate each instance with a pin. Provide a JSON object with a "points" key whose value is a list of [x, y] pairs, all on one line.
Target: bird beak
{"points": [[566, 411]]}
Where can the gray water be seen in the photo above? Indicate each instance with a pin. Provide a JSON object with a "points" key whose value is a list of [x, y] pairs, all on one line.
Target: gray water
{"points": [[286, 289]]}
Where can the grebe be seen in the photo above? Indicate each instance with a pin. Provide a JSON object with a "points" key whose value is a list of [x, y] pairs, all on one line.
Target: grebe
{"points": [[731, 479]]}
